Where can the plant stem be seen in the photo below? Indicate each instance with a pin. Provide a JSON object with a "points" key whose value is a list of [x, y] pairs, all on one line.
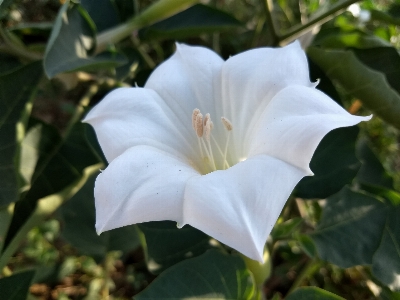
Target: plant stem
{"points": [[160, 10], [269, 7], [15, 49], [44, 208], [312, 266], [299, 30], [6, 214]]}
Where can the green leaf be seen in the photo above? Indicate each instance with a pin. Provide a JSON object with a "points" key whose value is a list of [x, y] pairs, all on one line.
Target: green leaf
{"points": [[177, 244], [361, 81], [16, 287], [72, 42], [16, 89], [334, 164], [358, 229], [195, 20], [78, 220], [371, 171], [307, 245], [8, 64], [284, 229], [385, 60], [386, 261], [61, 162], [350, 229], [312, 293], [212, 275]]}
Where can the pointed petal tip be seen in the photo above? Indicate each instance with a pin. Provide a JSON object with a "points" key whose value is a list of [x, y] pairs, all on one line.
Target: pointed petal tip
{"points": [[99, 229]]}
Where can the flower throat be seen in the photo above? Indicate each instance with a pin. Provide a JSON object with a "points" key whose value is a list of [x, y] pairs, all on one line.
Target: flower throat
{"points": [[203, 127]]}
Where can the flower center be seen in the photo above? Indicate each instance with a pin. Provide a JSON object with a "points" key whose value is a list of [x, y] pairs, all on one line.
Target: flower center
{"points": [[203, 127]]}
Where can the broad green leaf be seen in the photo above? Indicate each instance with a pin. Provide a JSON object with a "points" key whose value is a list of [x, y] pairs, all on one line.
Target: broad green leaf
{"points": [[350, 229], [386, 261], [385, 60], [61, 162], [8, 64], [16, 287], [361, 81], [72, 42], [102, 12], [78, 227], [312, 293], [371, 171], [16, 89], [325, 84], [191, 22], [167, 245], [212, 275], [334, 164], [358, 229]]}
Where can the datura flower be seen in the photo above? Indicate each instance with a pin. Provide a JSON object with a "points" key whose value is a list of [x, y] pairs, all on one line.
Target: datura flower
{"points": [[216, 144]]}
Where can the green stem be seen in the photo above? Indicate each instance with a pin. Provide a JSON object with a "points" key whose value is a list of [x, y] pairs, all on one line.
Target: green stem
{"points": [[269, 7], [6, 214], [80, 108], [312, 266], [297, 31], [154, 13], [44, 208], [15, 49]]}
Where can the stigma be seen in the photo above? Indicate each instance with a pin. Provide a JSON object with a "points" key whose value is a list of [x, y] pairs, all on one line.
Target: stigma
{"points": [[203, 126]]}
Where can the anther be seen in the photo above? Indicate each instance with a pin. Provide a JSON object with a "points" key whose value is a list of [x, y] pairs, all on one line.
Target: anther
{"points": [[194, 116], [207, 128], [227, 123], [199, 125]]}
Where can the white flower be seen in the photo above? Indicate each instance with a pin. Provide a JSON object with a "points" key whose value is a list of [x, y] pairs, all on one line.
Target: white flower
{"points": [[217, 145]]}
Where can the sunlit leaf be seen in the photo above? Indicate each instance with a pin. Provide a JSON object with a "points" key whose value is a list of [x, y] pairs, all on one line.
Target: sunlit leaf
{"points": [[61, 162], [72, 42], [16, 89]]}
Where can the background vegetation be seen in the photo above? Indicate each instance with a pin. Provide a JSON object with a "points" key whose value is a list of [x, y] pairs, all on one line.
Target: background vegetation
{"points": [[339, 234]]}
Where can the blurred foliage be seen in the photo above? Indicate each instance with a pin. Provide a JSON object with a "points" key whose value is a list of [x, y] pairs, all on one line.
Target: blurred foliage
{"points": [[338, 235]]}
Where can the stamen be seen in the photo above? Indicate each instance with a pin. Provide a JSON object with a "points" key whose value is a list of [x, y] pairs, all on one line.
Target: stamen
{"points": [[229, 127], [227, 123], [199, 125], [207, 127], [207, 133], [196, 111]]}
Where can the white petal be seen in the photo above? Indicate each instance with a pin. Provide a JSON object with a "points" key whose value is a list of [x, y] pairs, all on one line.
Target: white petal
{"points": [[239, 206], [143, 184], [127, 117], [251, 79], [294, 123], [185, 81]]}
